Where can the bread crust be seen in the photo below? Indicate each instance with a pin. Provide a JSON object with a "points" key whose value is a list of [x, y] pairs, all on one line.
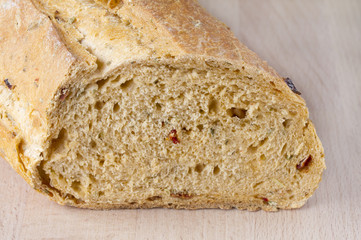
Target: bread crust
{"points": [[41, 58], [36, 62]]}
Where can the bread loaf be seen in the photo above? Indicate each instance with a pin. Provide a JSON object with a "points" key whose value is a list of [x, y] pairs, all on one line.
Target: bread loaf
{"points": [[148, 103]]}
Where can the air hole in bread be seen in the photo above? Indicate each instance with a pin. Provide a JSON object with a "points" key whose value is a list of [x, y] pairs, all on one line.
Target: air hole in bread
{"points": [[100, 193], [100, 136], [154, 198], [101, 163], [216, 170], [115, 3], [79, 156], [99, 105], [213, 106], [99, 63], [76, 186], [252, 149], [168, 55], [258, 184], [158, 106], [180, 96], [199, 168], [20, 148], [284, 149], [127, 85], [116, 108], [92, 178], [161, 86], [276, 90], [293, 113], [58, 143], [116, 132], [262, 142], [101, 83], [187, 131], [287, 123], [115, 80], [200, 127], [237, 112], [93, 144]]}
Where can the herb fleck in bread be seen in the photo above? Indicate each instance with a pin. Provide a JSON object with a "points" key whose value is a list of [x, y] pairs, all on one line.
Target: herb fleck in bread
{"points": [[148, 103]]}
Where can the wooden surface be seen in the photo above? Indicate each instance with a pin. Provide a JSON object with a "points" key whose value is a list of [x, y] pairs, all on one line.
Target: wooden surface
{"points": [[317, 43]]}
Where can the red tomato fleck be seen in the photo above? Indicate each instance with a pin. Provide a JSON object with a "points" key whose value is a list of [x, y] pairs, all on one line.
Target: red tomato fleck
{"points": [[173, 136]]}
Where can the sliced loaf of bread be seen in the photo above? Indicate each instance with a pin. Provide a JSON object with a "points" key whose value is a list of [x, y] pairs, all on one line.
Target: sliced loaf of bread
{"points": [[148, 103]]}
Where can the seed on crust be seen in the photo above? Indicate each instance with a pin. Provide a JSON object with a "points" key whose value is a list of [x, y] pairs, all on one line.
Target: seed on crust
{"points": [[8, 84], [292, 86]]}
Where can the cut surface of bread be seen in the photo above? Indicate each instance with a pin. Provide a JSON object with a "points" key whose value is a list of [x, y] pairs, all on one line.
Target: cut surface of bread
{"points": [[140, 104]]}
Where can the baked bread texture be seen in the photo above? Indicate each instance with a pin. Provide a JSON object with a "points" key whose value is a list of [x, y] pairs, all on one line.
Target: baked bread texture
{"points": [[148, 103]]}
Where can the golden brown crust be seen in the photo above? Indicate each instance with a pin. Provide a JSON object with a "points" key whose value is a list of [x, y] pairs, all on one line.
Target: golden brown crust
{"points": [[34, 58], [196, 32], [41, 56], [36, 63], [10, 143]]}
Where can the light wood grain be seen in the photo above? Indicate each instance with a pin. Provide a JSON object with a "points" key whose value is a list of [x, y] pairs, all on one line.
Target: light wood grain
{"points": [[317, 43]]}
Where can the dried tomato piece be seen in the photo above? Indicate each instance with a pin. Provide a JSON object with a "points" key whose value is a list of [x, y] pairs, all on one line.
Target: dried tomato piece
{"points": [[36, 82], [173, 136], [304, 163], [63, 93]]}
